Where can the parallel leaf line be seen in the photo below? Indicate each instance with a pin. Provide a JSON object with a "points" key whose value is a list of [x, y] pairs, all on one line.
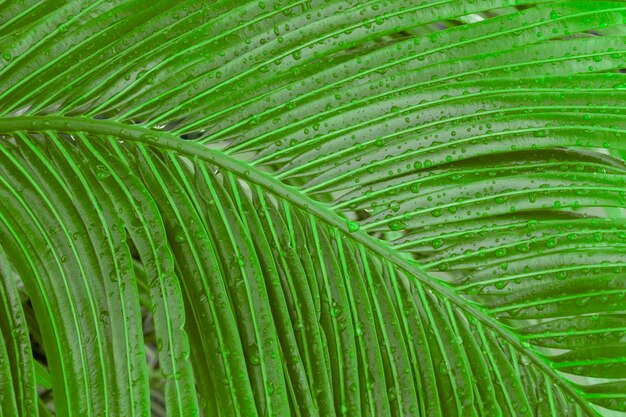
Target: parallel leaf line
{"points": [[295, 197], [409, 214], [59, 218], [510, 226], [360, 75], [545, 301], [410, 336], [440, 344], [188, 238], [568, 333], [541, 272], [333, 318], [38, 43], [500, 113], [532, 240], [153, 248], [598, 396], [186, 49], [388, 189], [203, 281], [344, 278], [305, 355], [455, 330], [501, 382], [367, 272], [273, 58], [452, 143], [17, 16], [66, 69], [108, 240], [429, 82], [550, 397], [246, 279], [18, 238], [385, 334], [600, 361], [9, 314]]}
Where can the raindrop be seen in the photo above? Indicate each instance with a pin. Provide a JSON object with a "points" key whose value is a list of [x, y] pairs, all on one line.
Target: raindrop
{"points": [[254, 355], [179, 237], [443, 369], [437, 243], [582, 302], [104, 317], [353, 226], [102, 172], [397, 225], [436, 212]]}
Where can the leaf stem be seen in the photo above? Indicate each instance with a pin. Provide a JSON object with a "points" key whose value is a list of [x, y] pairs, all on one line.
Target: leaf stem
{"points": [[165, 140]]}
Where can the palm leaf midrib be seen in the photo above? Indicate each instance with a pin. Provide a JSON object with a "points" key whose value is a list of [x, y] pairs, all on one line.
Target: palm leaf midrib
{"points": [[170, 142]]}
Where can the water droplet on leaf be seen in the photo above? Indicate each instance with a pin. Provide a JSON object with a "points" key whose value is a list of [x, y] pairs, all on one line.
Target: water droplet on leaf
{"points": [[353, 226]]}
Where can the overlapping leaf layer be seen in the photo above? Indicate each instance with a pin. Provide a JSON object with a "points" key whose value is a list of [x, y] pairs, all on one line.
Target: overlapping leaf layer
{"points": [[312, 208]]}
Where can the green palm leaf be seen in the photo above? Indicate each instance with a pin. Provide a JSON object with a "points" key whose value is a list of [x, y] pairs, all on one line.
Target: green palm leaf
{"points": [[312, 208]]}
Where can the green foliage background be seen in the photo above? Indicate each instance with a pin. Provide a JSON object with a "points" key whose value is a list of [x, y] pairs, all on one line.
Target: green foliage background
{"points": [[312, 208]]}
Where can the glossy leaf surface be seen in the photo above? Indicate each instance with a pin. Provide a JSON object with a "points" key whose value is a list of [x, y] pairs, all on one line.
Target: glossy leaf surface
{"points": [[312, 208]]}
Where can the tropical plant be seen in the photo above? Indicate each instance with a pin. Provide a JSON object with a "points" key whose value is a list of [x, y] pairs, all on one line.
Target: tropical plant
{"points": [[312, 208]]}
